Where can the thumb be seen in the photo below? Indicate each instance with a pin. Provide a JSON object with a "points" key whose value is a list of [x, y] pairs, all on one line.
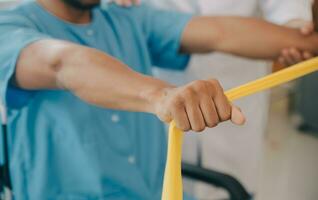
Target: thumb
{"points": [[237, 117]]}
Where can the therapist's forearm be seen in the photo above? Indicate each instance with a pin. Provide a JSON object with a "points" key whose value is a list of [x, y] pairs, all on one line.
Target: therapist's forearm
{"points": [[241, 36]]}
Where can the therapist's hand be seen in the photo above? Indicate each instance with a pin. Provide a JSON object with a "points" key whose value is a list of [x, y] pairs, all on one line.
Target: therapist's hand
{"points": [[196, 106], [290, 56], [127, 2]]}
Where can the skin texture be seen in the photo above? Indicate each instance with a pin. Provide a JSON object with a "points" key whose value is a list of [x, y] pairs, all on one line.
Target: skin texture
{"points": [[114, 85]]}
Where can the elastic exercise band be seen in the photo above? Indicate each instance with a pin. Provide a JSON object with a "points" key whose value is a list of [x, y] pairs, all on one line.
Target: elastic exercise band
{"points": [[172, 187]]}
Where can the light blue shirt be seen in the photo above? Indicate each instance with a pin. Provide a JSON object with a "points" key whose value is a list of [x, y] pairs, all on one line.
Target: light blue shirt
{"points": [[62, 148]]}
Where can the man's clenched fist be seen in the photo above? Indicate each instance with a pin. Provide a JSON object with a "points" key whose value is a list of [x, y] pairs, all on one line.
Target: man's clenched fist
{"points": [[196, 106]]}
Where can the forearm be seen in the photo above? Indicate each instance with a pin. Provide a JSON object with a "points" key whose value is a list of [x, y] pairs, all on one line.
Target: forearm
{"points": [[94, 77], [102, 80], [244, 37]]}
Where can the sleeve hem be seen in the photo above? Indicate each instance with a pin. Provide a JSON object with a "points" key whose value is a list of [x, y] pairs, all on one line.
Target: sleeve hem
{"points": [[6, 99]]}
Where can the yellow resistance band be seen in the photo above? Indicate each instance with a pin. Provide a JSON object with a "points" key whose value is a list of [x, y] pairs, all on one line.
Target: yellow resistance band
{"points": [[172, 186]]}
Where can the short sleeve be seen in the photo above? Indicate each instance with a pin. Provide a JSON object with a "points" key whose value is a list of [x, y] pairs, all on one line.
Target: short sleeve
{"points": [[16, 32], [164, 31], [282, 11]]}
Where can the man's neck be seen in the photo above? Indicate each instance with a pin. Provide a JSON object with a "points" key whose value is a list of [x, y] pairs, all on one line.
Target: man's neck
{"points": [[66, 12]]}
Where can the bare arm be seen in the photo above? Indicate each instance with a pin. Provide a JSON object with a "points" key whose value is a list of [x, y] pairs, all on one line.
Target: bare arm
{"points": [[99, 79], [90, 74], [242, 36]]}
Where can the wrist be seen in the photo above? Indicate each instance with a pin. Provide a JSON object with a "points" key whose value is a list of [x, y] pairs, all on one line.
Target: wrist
{"points": [[155, 95]]}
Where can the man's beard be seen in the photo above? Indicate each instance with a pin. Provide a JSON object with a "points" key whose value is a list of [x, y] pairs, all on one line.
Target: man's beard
{"points": [[78, 4]]}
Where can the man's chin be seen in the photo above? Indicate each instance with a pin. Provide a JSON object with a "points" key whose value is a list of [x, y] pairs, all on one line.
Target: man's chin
{"points": [[83, 4]]}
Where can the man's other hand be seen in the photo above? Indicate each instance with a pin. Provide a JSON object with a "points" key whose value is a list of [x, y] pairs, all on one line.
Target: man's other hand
{"points": [[196, 106]]}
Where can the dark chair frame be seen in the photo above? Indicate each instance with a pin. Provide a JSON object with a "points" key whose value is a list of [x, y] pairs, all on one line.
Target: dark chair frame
{"points": [[230, 184]]}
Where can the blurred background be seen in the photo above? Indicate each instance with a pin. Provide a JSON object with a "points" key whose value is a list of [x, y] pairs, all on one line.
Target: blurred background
{"points": [[275, 155]]}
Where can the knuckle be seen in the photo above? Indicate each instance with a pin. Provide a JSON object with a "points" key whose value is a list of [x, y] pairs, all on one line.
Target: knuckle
{"points": [[285, 52], [216, 85], [200, 85], [211, 87], [189, 95], [188, 92], [176, 104], [214, 81]]}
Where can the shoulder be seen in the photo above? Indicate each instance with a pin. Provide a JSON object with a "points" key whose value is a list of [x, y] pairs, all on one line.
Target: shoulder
{"points": [[19, 16]]}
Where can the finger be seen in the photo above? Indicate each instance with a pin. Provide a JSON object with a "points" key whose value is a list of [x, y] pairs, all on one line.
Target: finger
{"points": [[237, 117], [165, 117], [307, 55], [296, 55], [282, 61], [221, 102], [195, 117], [288, 58], [209, 112], [181, 118]]}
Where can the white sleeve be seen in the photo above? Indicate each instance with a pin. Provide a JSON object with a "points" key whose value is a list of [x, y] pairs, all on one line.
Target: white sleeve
{"points": [[282, 11]]}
